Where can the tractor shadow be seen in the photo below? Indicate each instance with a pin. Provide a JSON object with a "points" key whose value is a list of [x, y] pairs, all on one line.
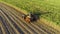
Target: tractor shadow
{"points": [[37, 15]]}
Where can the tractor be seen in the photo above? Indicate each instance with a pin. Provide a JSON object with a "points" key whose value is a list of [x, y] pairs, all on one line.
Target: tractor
{"points": [[29, 17]]}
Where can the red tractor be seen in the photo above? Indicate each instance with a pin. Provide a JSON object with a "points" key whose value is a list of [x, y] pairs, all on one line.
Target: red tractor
{"points": [[30, 17]]}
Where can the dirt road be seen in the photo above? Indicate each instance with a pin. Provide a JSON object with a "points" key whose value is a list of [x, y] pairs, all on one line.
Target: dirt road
{"points": [[11, 22]]}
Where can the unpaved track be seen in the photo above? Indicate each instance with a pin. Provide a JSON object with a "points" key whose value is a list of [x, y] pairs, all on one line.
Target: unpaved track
{"points": [[12, 23]]}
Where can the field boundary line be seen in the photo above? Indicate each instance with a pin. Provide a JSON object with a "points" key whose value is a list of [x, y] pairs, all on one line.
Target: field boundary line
{"points": [[18, 9], [49, 23]]}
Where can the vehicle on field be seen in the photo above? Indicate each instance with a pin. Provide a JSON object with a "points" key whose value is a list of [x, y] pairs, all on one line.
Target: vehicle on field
{"points": [[30, 17]]}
